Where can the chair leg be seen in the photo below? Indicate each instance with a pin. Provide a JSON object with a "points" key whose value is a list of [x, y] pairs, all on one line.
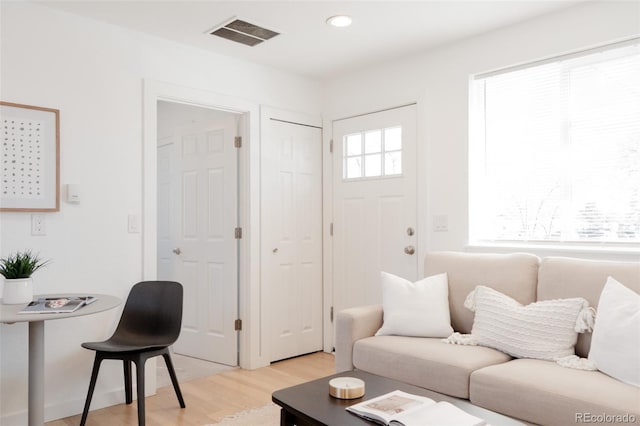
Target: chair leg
{"points": [[174, 379], [92, 385], [140, 362], [127, 381]]}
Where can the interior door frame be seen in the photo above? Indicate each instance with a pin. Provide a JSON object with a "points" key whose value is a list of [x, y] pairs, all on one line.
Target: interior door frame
{"points": [[251, 337], [327, 204]]}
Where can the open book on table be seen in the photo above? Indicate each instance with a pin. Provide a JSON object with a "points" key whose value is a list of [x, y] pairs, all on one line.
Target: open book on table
{"points": [[399, 408], [57, 305]]}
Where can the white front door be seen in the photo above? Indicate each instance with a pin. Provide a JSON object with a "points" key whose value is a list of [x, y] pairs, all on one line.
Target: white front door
{"points": [[292, 236], [199, 205], [374, 203]]}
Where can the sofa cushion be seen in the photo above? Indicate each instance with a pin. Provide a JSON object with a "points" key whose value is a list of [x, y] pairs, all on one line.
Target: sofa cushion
{"points": [[542, 330], [424, 362], [545, 393], [561, 278], [419, 309], [515, 275], [615, 344]]}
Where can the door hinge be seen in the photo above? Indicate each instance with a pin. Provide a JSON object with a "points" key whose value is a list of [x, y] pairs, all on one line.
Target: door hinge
{"points": [[331, 146], [237, 326], [237, 142], [238, 233], [331, 314], [331, 229]]}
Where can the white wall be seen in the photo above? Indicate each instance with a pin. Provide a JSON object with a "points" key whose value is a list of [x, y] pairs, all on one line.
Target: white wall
{"points": [[93, 72], [438, 81]]}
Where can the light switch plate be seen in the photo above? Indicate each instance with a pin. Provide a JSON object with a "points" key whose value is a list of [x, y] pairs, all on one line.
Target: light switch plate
{"points": [[440, 223], [73, 193], [134, 224]]}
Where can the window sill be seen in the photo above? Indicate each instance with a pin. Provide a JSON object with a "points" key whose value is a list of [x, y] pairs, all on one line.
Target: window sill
{"points": [[597, 252]]}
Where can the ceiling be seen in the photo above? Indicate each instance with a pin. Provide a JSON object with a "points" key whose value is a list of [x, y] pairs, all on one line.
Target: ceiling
{"points": [[381, 30]]}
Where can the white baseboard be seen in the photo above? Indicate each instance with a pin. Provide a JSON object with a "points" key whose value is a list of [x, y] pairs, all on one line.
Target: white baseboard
{"points": [[71, 407]]}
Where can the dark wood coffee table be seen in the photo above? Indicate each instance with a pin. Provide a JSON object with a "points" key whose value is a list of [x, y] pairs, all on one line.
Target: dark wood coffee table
{"points": [[311, 404]]}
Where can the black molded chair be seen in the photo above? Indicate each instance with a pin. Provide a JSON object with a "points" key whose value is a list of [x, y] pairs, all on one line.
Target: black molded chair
{"points": [[150, 323]]}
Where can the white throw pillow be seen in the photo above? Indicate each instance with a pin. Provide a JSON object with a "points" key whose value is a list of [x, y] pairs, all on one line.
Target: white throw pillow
{"points": [[419, 309], [542, 330], [615, 344]]}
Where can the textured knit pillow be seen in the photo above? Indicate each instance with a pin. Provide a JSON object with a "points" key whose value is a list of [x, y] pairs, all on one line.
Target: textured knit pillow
{"points": [[542, 330], [419, 309], [615, 344]]}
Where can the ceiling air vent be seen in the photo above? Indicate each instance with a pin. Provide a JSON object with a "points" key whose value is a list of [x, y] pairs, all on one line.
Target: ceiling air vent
{"points": [[243, 32]]}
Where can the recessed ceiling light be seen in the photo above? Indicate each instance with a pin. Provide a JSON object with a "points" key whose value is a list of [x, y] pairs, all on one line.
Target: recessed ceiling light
{"points": [[339, 21]]}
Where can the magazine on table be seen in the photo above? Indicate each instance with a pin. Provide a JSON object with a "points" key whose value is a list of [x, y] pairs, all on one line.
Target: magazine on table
{"points": [[399, 408], [57, 305]]}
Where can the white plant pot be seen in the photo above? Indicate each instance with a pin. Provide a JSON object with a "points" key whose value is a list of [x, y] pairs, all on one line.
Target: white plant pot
{"points": [[17, 291]]}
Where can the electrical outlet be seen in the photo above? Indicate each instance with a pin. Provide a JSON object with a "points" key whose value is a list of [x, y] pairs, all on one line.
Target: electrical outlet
{"points": [[37, 224]]}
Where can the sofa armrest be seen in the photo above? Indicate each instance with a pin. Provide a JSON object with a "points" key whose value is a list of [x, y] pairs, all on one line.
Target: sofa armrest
{"points": [[351, 325]]}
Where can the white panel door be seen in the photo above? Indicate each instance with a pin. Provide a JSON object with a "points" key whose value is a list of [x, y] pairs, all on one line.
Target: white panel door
{"points": [[204, 248], [374, 218], [166, 207], [292, 237]]}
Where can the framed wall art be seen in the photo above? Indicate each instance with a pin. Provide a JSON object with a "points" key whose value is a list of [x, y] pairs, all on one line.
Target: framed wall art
{"points": [[29, 158]]}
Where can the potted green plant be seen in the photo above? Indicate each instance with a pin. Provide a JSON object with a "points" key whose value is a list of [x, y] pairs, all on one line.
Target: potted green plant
{"points": [[17, 269]]}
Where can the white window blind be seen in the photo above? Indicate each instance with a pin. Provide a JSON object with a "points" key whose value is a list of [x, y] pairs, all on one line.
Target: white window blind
{"points": [[555, 150]]}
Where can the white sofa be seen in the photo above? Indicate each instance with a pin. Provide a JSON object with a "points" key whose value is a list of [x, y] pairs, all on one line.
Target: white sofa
{"points": [[536, 391]]}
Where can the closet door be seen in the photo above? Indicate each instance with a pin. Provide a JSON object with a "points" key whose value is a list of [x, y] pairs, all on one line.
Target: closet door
{"points": [[292, 237]]}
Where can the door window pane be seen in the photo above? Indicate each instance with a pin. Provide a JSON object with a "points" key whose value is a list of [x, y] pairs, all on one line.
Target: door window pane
{"points": [[393, 139], [393, 163], [373, 142], [354, 167], [373, 165], [354, 144]]}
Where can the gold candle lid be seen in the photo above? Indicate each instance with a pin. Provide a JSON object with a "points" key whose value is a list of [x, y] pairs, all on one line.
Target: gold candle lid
{"points": [[346, 388]]}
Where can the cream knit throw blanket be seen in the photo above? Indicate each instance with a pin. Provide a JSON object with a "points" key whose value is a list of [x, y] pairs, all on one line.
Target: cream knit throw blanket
{"points": [[542, 330]]}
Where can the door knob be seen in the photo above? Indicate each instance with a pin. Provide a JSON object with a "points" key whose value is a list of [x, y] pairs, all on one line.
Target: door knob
{"points": [[409, 250], [177, 250], [275, 250]]}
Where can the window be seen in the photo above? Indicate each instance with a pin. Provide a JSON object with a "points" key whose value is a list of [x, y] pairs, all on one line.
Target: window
{"points": [[555, 150], [373, 153]]}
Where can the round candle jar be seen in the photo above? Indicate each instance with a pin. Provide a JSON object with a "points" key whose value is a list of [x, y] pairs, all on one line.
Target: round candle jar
{"points": [[346, 388]]}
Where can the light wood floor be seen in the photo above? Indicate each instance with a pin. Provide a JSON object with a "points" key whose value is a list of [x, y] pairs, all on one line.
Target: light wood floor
{"points": [[211, 398]]}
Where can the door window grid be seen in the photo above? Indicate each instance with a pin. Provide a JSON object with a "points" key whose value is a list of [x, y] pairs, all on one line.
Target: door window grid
{"points": [[372, 153]]}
